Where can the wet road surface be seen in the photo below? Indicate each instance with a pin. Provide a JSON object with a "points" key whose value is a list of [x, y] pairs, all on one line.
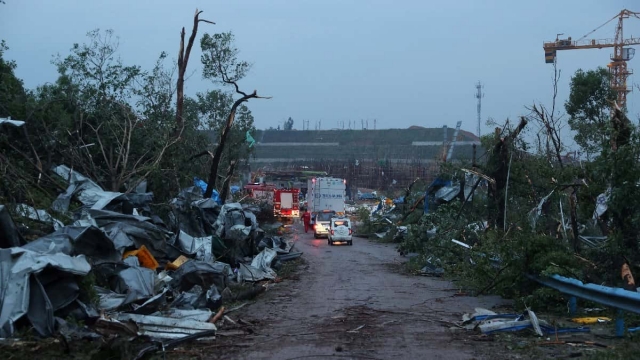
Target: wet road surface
{"points": [[352, 302]]}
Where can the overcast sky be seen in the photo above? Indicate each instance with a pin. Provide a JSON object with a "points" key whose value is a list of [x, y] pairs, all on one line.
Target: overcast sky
{"points": [[403, 62]]}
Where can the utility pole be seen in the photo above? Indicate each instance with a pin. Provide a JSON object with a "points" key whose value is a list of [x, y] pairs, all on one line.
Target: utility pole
{"points": [[374, 123], [479, 95]]}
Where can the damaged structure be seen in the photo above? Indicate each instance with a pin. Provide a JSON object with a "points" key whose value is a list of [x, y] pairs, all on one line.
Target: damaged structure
{"points": [[117, 266]]}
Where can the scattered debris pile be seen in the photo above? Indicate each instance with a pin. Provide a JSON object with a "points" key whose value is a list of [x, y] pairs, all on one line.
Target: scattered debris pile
{"points": [[120, 269], [489, 322]]}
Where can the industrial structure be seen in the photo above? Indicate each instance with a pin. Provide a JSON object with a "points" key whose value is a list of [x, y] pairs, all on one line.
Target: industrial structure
{"points": [[371, 159], [621, 52], [479, 95]]}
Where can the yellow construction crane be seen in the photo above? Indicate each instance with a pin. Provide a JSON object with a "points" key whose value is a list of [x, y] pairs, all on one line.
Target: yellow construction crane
{"points": [[619, 58]]}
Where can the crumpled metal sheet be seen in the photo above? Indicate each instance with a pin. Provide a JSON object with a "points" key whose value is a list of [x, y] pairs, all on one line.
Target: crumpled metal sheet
{"points": [[221, 223], [132, 284], [77, 240], [166, 327], [277, 243], [251, 217], [201, 247], [11, 237], [197, 298], [205, 274], [139, 229], [22, 293], [138, 283], [469, 181], [8, 121], [602, 204], [535, 213], [88, 192], [195, 315], [448, 193], [39, 215], [110, 300], [260, 267], [237, 232]]}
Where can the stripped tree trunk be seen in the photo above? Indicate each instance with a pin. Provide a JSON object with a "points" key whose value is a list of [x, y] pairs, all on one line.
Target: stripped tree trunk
{"points": [[225, 186]]}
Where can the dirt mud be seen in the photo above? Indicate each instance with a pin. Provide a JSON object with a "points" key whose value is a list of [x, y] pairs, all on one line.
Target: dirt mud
{"points": [[348, 302]]}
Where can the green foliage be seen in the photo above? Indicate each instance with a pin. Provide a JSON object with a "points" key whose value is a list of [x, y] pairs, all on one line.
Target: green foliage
{"points": [[13, 96], [220, 59], [214, 107], [500, 260], [588, 108], [111, 121]]}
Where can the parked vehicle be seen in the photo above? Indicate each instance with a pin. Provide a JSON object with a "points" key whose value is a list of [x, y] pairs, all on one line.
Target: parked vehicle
{"points": [[326, 193], [260, 192], [321, 222], [340, 231], [285, 203]]}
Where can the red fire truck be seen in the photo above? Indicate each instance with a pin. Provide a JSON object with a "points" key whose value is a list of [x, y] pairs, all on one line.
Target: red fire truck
{"points": [[260, 192], [286, 203]]}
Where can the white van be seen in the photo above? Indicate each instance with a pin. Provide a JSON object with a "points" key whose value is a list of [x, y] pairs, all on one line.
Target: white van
{"points": [[340, 231]]}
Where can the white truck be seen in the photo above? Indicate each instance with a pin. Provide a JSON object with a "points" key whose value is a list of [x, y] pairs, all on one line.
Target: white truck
{"points": [[326, 193], [325, 199]]}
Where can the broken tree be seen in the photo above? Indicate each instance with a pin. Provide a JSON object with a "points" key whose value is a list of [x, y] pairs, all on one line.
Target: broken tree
{"points": [[221, 65], [498, 166]]}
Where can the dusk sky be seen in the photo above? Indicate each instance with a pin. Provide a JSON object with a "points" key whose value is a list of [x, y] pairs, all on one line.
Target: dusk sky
{"points": [[401, 62]]}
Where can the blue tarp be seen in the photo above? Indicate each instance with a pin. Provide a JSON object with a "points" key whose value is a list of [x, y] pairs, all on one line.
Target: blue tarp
{"points": [[399, 200], [203, 185], [234, 189]]}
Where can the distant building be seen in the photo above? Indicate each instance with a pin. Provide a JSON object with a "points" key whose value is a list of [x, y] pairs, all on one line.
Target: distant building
{"points": [[413, 145], [370, 158]]}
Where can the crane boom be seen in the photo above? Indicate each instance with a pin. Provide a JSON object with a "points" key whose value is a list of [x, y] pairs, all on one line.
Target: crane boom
{"points": [[587, 44], [621, 54]]}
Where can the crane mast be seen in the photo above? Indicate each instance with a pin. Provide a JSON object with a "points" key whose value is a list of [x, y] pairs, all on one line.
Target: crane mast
{"points": [[621, 53]]}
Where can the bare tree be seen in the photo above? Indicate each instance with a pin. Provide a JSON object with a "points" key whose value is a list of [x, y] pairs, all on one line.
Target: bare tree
{"points": [[227, 181], [183, 60], [498, 168], [550, 125]]}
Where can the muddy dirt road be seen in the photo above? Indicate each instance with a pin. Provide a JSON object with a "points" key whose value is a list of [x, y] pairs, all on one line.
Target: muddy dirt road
{"points": [[352, 302]]}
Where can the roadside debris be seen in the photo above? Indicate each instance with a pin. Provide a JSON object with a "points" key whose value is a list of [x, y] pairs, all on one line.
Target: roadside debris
{"points": [[489, 322], [124, 271]]}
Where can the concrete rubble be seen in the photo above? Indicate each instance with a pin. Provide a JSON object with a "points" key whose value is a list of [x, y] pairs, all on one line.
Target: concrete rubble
{"points": [[121, 270]]}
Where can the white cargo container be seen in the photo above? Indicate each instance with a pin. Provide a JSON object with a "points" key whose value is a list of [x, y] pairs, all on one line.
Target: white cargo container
{"points": [[325, 193]]}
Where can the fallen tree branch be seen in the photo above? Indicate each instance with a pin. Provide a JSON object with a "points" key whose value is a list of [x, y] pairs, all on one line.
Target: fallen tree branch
{"points": [[200, 154], [41, 171], [217, 316], [476, 173]]}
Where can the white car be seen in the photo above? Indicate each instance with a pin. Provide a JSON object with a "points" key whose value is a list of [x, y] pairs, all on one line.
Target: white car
{"points": [[340, 231]]}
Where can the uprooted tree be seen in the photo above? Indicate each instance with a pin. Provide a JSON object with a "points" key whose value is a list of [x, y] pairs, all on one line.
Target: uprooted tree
{"points": [[222, 66]]}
